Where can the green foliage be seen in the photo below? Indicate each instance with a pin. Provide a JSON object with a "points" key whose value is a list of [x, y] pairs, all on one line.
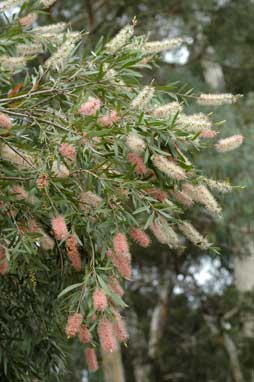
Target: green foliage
{"points": [[44, 110]]}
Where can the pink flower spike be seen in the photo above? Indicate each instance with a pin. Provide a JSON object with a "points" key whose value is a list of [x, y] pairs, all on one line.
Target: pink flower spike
{"points": [[115, 286], [140, 237], [208, 134], [123, 265], [59, 227], [108, 119], [84, 335], [68, 151], [99, 300], [73, 324], [3, 261], [106, 335], [91, 359], [120, 244], [120, 327], [138, 163], [5, 121], [157, 193], [90, 107]]}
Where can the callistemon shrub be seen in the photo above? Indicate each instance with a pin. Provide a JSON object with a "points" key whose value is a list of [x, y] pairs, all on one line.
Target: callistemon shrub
{"points": [[93, 161]]}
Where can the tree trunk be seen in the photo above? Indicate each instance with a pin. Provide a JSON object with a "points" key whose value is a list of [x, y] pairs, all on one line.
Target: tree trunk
{"points": [[159, 318], [112, 366], [244, 279], [138, 346]]}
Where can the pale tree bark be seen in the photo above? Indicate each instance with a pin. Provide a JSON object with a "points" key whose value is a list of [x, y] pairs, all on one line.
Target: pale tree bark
{"points": [[159, 317], [230, 348], [244, 280], [113, 366], [142, 367]]}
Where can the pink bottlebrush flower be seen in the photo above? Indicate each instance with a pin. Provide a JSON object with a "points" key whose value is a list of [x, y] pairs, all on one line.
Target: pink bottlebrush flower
{"points": [[90, 107], [140, 237], [209, 134], [108, 119], [59, 227], [120, 329], [123, 265], [120, 244], [100, 301], [68, 151], [138, 163], [73, 324], [20, 192], [91, 359], [157, 193], [5, 121], [230, 143], [115, 286], [84, 335], [109, 253], [4, 265], [106, 335], [42, 181], [182, 198], [73, 252], [27, 20]]}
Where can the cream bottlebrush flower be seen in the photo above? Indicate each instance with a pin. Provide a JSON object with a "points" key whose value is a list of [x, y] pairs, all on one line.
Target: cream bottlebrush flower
{"points": [[218, 186], [47, 3], [50, 29], [120, 39], [168, 167], [142, 98], [203, 195], [11, 64], [29, 49], [5, 5], [135, 143], [160, 46], [90, 198], [59, 170], [164, 233], [229, 144], [59, 59], [28, 20], [193, 235], [195, 122], [217, 99], [167, 110], [16, 157], [46, 242]]}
